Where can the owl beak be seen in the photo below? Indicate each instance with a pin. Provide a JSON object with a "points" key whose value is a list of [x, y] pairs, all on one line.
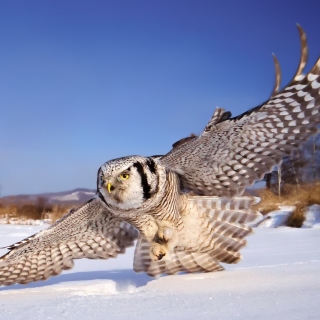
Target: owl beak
{"points": [[109, 185]]}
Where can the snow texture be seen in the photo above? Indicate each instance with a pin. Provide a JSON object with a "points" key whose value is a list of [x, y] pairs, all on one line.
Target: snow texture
{"points": [[74, 196], [279, 278], [312, 217], [277, 218]]}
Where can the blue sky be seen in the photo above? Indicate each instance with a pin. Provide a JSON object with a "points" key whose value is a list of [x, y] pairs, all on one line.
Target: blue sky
{"points": [[82, 82]]}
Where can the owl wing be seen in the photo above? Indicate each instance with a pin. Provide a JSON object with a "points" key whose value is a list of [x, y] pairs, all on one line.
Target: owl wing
{"points": [[87, 232], [232, 153]]}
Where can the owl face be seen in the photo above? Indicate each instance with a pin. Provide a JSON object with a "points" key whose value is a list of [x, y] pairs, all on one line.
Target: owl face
{"points": [[128, 182]]}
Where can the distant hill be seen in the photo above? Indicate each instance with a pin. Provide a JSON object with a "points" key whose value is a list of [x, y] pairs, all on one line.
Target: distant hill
{"points": [[72, 197]]}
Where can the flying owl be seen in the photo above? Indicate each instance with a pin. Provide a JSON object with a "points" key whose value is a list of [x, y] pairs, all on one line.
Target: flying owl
{"points": [[184, 210]]}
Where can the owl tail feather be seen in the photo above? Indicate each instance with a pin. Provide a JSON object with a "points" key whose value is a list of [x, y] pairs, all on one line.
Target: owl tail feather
{"points": [[218, 227]]}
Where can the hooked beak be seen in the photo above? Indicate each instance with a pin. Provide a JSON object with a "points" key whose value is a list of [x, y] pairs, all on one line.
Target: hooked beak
{"points": [[109, 185]]}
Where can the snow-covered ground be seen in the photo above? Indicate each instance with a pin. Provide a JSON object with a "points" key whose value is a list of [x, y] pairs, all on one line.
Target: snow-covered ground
{"points": [[279, 218], [279, 278]]}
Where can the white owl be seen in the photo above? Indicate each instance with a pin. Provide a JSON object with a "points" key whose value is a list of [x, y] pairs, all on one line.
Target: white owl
{"points": [[184, 208]]}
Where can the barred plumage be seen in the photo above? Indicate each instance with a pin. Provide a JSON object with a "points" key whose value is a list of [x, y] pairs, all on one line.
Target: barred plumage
{"points": [[89, 231], [185, 208], [232, 153]]}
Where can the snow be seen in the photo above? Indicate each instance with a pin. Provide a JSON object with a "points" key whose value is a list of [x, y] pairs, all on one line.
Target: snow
{"points": [[280, 217], [279, 277], [277, 218], [23, 221], [74, 196], [312, 217]]}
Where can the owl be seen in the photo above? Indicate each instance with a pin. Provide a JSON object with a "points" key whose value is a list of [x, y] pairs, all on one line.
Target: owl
{"points": [[183, 210]]}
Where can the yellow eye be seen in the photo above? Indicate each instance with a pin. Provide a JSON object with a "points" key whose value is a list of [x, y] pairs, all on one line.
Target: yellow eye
{"points": [[124, 176]]}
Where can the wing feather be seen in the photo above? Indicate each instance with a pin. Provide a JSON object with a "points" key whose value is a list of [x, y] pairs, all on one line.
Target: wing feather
{"points": [[87, 232], [232, 153]]}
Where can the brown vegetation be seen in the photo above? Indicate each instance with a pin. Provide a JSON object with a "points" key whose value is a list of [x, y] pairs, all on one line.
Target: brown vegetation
{"points": [[38, 210], [297, 217], [299, 196]]}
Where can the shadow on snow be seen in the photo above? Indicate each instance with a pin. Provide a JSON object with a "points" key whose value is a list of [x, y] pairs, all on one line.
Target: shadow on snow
{"points": [[122, 278]]}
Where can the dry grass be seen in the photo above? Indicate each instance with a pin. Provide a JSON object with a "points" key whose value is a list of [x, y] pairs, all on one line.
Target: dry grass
{"points": [[269, 202], [297, 217], [8, 210], [34, 211], [300, 197], [58, 211]]}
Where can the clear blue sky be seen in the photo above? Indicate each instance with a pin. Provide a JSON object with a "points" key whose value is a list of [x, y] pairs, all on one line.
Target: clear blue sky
{"points": [[82, 82]]}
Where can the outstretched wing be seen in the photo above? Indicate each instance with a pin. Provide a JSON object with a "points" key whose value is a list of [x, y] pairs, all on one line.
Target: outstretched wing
{"points": [[87, 232], [232, 153]]}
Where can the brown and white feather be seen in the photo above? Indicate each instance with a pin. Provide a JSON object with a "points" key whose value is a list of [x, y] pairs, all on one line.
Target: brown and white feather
{"points": [[232, 153]]}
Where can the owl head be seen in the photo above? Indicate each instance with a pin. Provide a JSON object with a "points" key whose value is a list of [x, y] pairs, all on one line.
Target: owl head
{"points": [[128, 182]]}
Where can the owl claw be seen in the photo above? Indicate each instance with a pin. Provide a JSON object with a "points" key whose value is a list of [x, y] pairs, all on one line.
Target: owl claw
{"points": [[162, 243], [157, 251], [161, 255]]}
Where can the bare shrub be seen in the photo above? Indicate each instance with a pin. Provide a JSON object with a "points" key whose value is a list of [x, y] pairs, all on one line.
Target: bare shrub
{"points": [[30, 211], [297, 217]]}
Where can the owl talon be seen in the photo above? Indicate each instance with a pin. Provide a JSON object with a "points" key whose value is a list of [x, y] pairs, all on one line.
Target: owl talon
{"points": [[161, 255], [157, 251]]}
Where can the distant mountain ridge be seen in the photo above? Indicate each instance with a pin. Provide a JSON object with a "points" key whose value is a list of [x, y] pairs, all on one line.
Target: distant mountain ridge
{"points": [[75, 197]]}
